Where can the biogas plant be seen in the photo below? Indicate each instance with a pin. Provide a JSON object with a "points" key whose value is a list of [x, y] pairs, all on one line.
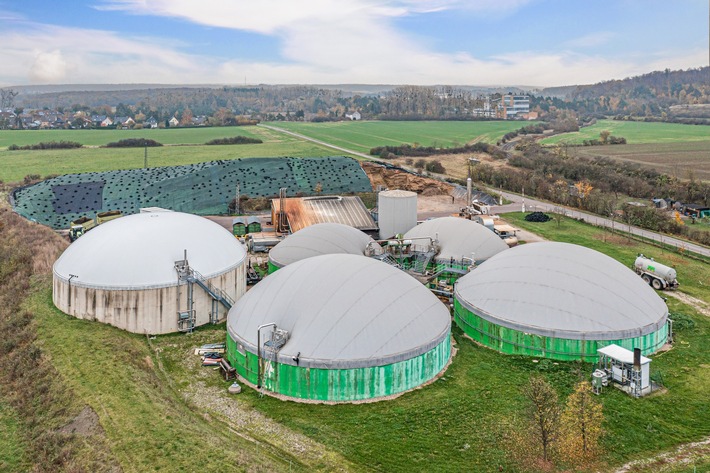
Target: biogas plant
{"points": [[354, 306]]}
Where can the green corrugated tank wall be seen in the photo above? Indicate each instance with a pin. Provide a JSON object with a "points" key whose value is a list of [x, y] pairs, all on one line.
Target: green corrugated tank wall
{"points": [[341, 384], [272, 267], [515, 342]]}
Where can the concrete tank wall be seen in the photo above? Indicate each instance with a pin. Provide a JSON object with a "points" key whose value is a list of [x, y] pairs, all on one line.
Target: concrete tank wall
{"points": [[152, 311], [397, 212]]}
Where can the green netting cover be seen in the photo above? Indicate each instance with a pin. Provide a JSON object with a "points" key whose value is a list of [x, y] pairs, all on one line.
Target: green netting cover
{"points": [[202, 189]]}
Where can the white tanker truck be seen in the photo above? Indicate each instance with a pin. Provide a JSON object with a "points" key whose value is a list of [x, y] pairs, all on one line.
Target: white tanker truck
{"points": [[658, 275]]}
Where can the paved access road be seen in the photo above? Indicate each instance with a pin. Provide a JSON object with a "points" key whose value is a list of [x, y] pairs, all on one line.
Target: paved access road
{"points": [[536, 205]]}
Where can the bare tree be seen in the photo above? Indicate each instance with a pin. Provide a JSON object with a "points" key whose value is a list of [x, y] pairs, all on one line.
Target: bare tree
{"points": [[543, 413], [7, 98]]}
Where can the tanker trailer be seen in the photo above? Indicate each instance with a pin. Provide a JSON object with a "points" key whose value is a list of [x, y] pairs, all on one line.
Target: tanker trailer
{"points": [[658, 275]]}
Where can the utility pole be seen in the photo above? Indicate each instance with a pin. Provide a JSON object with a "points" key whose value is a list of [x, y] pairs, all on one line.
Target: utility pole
{"points": [[236, 202], [145, 157]]}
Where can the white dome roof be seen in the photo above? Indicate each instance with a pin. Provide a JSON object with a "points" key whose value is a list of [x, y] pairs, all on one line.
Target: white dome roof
{"points": [[562, 290], [139, 251], [342, 311], [320, 239], [459, 237]]}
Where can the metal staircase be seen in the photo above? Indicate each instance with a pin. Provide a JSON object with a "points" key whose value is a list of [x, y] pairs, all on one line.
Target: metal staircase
{"points": [[187, 278], [422, 260], [216, 293], [387, 258]]}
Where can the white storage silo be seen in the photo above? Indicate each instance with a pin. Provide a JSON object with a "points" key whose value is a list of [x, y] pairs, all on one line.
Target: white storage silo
{"points": [[397, 212], [125, 273]]}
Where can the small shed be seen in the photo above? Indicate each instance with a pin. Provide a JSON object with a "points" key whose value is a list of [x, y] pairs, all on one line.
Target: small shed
{"points": [[239, 226], [619, 363], [697, 211], [253, 224]]}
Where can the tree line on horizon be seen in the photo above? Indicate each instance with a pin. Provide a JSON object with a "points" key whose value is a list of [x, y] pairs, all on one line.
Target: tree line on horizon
{"points": [[646, 97]]}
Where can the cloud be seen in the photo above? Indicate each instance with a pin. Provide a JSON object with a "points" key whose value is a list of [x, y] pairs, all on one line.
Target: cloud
{"points": [[591, 40], [271, 16], [48, 67], [76, 55], [350, 42]]}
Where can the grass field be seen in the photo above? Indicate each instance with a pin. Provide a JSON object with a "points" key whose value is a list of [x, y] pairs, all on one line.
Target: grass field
{"points": [[675, 159], [101, 137], [15, 165], [362, 136], [636, 133], [358, 136]]}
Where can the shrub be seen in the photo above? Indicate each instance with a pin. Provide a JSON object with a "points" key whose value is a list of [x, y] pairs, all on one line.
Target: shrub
{"points": [[46, 145], [235, 140], [421, 151], [435, 166], [133, 143], [681, 322]]}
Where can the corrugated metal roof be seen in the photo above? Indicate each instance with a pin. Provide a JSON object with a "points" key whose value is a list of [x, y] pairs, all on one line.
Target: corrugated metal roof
{"points": [[342, 311], [562, 290], [320, 239], [307, 211]]}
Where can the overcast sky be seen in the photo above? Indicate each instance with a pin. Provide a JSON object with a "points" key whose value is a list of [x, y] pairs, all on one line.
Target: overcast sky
{"points": [[464, 42]]}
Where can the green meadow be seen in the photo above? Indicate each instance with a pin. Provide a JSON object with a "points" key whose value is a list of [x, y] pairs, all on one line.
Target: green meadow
{"points": [[362, 136], [636, 132]]}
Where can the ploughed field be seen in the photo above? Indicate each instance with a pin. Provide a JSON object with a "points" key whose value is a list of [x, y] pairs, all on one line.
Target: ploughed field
{"points": [[675, 159]]}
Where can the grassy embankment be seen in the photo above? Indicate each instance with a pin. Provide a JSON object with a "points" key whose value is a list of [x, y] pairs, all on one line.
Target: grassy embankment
{"points": [[458, 423]]}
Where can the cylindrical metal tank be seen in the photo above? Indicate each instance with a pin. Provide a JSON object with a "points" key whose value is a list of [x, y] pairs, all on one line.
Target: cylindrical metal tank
{"points": [[559, 301], [338, 328], [397, 212]]}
